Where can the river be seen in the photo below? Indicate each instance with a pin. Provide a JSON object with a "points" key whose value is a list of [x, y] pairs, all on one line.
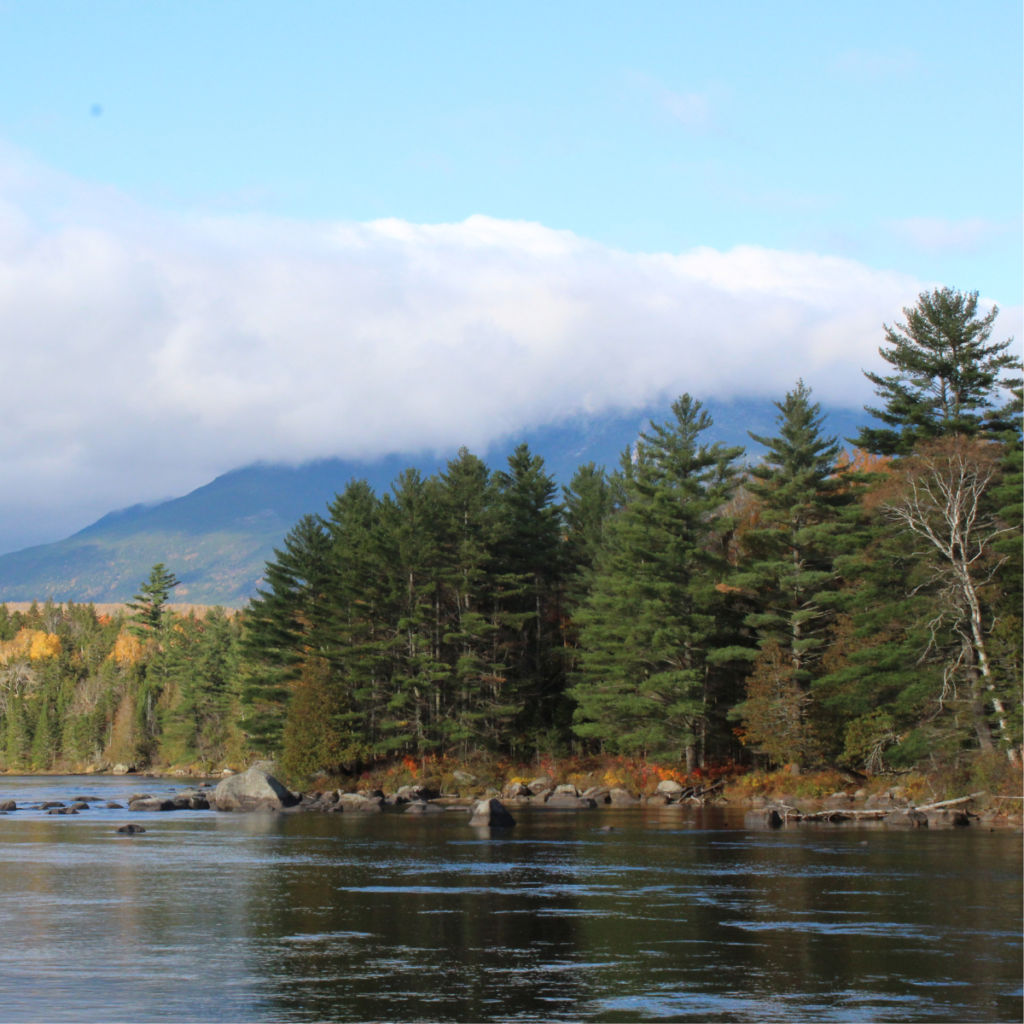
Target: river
{"points": [[674, 915]]}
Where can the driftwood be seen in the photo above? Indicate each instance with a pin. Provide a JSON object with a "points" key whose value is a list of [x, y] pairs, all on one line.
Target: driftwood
{"points": [[949, 803]]}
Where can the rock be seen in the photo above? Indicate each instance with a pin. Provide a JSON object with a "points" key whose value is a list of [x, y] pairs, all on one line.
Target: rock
{"points": [[121, 769], [79, 805], [491, 814], [8, 805], [47, 804], [598, 793], [421, 807], [947, 817], [139, 796], [152, 804], [358, 803], [908, 818], [861, 794], [566, 790], [839, 800], [131, 830], [659, 799], [669, 788], [514, 790], [572, 803], [251, 790], [61, 810], [539, 785], [464, 777], [622, 798], [768, 817], [111, 805]]}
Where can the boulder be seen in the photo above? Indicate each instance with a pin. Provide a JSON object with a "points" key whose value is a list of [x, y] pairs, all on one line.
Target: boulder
{"points": [[656, 800], [669, 788], [121, 769], [464, 777], [131, 830], [767, 817], [491, 814], [539, 785], [514, 790], [79, 805], [598, 793], [152, 804], [566, 790], [622, 798], [907, 818], [947, 817], [422, 807], [61, 810], [8, 805], [572, 803], [47, 804], [358, 803], [139, 796], [253, 789], [112, 805]]}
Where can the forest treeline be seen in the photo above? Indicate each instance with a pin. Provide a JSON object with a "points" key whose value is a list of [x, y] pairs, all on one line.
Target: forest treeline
{"points": [[817, 605]]}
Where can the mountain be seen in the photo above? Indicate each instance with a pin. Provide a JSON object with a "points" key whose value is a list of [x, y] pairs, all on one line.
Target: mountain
{"points": [[217, 538]]}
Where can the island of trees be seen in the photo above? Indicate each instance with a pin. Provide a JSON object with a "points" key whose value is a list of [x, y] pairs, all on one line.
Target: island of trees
{"points": [[856, 608]]}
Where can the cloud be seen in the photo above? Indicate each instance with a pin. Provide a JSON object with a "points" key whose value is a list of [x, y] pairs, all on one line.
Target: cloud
{"points": [[937, 235], [143, 352]]}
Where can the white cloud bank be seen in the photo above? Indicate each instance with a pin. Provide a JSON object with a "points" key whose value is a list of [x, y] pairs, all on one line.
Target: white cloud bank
{"points": [[142, 353]]}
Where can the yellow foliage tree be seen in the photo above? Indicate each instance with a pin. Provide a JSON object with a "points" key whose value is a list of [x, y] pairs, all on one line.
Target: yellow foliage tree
{"points": [[127, 649], [43, 645]]}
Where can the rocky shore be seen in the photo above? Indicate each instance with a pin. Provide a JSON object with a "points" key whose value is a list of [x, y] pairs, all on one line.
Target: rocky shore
{"points": [[257, 789]]}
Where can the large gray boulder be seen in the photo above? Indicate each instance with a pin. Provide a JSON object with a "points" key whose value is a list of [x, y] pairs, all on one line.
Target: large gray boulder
{"points": [[491, 814], [255, 789], [908, 818], [669, 788]]}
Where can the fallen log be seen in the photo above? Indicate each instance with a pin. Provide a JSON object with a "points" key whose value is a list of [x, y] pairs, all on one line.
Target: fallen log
{"points": [[949, 803]]}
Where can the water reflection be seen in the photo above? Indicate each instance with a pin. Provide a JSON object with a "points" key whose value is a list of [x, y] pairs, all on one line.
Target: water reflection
{"points": [[347, 917]]}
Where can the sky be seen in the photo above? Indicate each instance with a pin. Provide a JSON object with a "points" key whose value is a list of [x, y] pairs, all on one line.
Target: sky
{"points": [[242, 231]]}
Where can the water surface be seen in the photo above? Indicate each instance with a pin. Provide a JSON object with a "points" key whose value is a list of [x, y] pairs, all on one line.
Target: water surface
{"points": [[675, 915]]}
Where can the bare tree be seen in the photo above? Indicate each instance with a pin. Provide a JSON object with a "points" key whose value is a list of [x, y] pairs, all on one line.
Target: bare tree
{"points": [[939, 497]]}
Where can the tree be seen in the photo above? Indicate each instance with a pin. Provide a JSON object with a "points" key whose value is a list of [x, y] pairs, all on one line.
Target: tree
{"points": [[650, 619], [790, 556], [940, 499], [148, 603], [948, 374]]}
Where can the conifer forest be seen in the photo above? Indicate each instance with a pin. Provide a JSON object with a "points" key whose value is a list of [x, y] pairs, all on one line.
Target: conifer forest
{"points": [[851, 602]]}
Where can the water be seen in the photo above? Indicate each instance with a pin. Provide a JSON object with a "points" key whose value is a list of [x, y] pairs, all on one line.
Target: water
{"points": [[676, 916]]}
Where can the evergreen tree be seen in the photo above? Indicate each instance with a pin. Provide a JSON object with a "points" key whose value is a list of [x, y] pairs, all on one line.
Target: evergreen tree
{"points": [[651, 615], [948, 373], [790, 557], [148, 603]]}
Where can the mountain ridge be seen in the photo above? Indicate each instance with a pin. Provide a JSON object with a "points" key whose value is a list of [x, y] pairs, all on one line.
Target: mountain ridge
{"points": [[218, 537]]}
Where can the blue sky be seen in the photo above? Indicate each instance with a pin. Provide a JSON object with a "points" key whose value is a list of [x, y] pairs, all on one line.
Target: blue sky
{"points": [[886, 132], [238, 231]]}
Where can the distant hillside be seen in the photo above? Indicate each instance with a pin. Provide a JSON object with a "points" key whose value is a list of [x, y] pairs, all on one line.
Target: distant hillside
{"points": [[218, 538]]}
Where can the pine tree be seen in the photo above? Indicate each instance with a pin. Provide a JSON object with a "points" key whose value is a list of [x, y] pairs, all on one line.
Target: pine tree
{"points": [[148, 603], [789, 559], [948, 374], [650, 617]]}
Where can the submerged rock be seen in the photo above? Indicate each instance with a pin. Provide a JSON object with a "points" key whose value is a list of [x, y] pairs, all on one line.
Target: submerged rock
{"points": [[254, 789], [491, 814], [131, 830], [907, 818], [622, 798], [112, 805]]}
